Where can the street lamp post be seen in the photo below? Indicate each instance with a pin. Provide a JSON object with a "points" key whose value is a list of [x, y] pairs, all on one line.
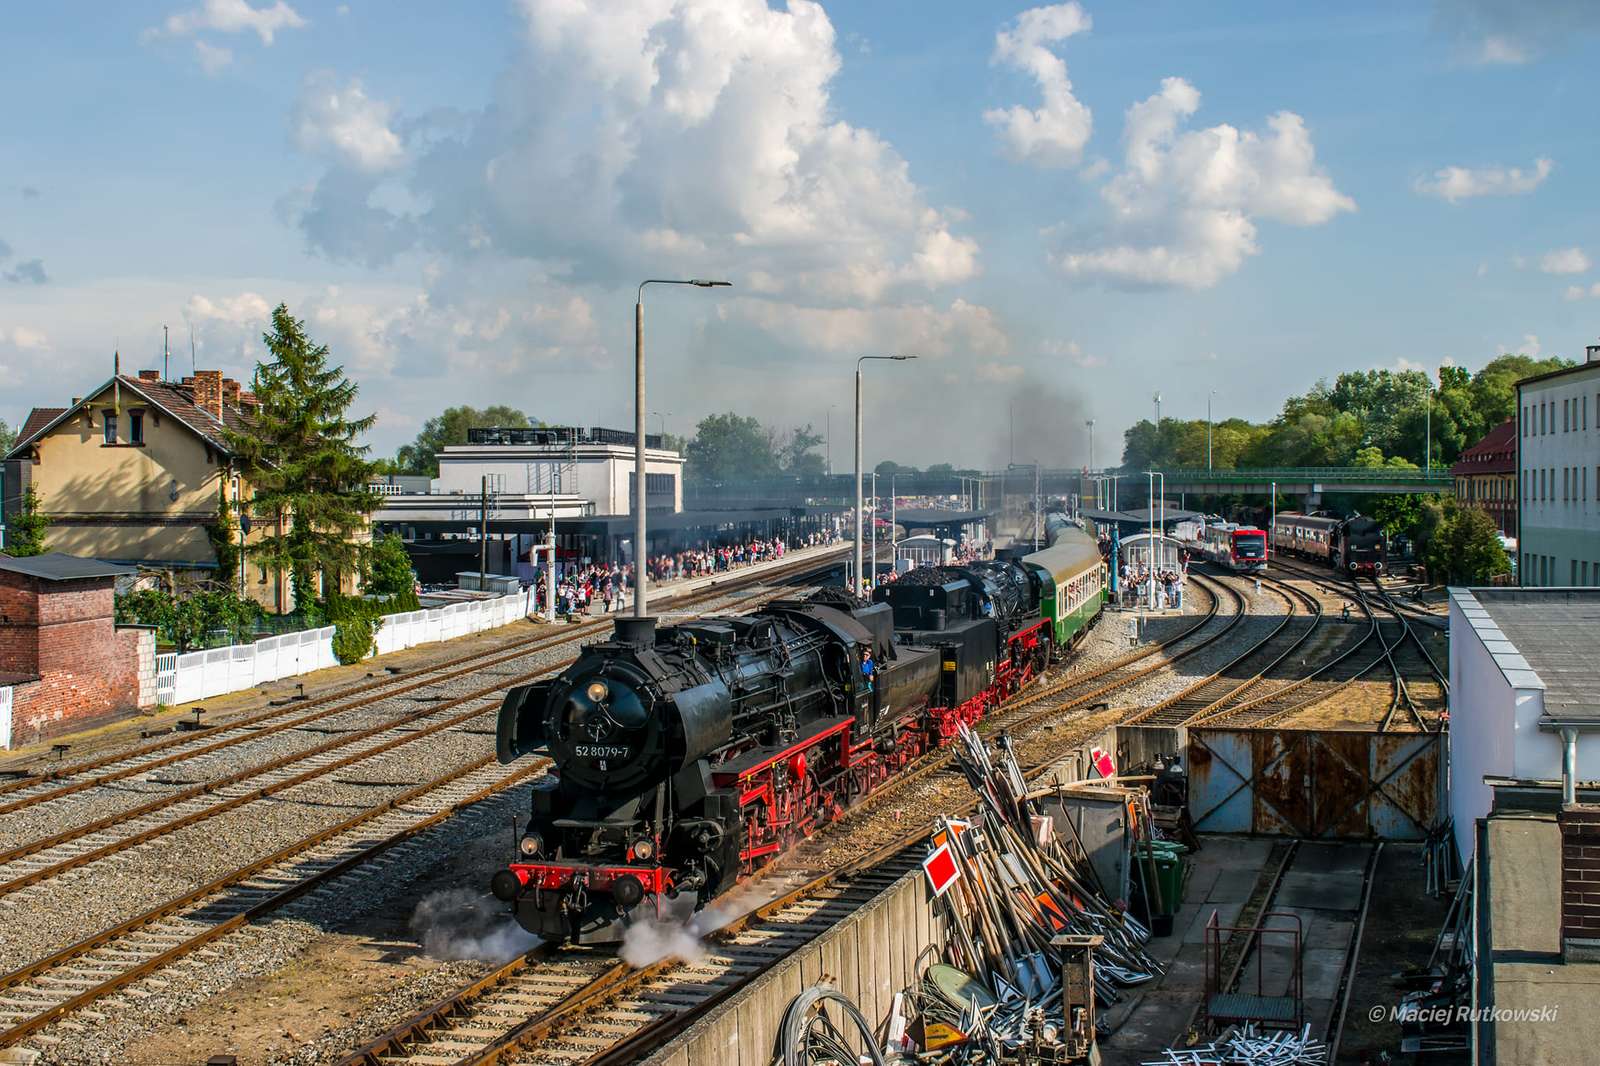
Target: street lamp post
{"points": [[894, 520], [640, 579], [1090, 424], [1209, 395], [872, 567], [663, 424], [857, 546]]}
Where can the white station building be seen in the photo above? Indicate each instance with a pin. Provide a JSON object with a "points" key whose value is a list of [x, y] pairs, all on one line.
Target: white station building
{"points": [[1558, 471]]}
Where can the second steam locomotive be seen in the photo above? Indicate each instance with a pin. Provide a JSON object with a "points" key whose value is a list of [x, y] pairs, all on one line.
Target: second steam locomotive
{"points": [[1356, 544], [686, 756]]}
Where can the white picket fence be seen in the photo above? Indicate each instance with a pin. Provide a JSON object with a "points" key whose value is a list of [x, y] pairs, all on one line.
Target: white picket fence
{"points": [[199, 675], [5, 716]]}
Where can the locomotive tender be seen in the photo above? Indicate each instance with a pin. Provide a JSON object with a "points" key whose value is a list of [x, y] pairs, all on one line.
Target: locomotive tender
{"points": [[686, 756], [1356, 544]]}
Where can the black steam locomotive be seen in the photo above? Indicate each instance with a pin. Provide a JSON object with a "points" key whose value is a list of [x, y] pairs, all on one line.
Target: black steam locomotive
{"points": [[1356, 544], [686, 756]]}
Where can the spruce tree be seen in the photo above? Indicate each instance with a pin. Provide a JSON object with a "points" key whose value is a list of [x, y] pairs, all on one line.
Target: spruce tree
{"points": [[304, 462]]}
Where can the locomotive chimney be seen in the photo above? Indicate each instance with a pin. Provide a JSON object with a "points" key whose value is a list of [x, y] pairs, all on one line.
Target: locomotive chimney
{"points": [[640, 632]]}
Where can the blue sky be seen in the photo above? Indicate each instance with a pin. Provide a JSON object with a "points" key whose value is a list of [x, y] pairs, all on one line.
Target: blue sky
{"points": [[1061, 209]]}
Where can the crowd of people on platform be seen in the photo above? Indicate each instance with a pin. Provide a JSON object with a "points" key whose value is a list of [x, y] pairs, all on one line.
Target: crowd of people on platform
{"points": [[608, 586], [1134, 581]]}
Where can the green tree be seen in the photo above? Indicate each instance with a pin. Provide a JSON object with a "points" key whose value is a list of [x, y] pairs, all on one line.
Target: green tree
{"points": [[25, 531], [889, 468], [1465, 548], [795, 453], [302, 458], [421, 456], [8, 437], [224, 536], [389, 571], [730, 447], [1493, 388]]}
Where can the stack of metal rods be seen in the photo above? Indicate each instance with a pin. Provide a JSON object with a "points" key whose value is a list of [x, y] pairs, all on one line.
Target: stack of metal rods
{"points": [[1021, 885]]}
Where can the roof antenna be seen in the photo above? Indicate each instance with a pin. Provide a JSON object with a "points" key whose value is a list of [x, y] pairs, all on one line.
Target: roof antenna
{"points": [[166, 356], [192, 370]]}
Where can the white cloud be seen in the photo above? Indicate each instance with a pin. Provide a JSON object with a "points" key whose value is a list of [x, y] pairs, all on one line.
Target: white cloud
{"points": [[1000, 373], [1564, 261], [1510, 32], [212, 58], [1052, 135], [622, 139], [234, 16], [347, 124], [1183, 209], [1578, 292], [24, 338], [960, 330], [1463, 183], [247, 308], [1530, 347], [1072, 352]]}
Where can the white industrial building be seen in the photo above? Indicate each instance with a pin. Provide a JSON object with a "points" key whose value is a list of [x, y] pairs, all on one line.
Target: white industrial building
{"points": [[1524, 695], [1558, 469]]}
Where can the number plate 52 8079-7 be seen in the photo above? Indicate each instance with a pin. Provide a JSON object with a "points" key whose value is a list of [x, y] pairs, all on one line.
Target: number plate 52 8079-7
{"points": [[600, 751]]}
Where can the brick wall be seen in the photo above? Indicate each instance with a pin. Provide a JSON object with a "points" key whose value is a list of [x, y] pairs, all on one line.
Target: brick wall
{"points": [[19, 621], [62, 632], [1580, 875]]}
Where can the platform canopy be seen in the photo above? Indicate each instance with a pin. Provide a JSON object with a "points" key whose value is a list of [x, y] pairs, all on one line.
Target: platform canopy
{"points": [[929, 518], [1140, 516]]}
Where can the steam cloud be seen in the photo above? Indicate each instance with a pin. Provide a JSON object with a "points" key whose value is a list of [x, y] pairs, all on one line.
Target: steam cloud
{"points": [[1047, 425], [459, 924]]}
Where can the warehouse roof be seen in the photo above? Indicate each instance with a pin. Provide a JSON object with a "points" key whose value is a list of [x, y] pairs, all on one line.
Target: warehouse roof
{"points": [[59, 566], [1543, 638]]}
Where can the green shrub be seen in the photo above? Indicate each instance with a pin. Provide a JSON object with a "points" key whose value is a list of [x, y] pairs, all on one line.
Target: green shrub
{"points": [[355, 622]]}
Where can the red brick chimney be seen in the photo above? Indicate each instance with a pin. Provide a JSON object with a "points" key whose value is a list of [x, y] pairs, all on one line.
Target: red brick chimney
{"points": [[1580, 881], [208, 392], [149, 375], [230, 392]]}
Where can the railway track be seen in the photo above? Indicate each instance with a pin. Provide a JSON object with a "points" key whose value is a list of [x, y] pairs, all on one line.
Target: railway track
{"points": [[28, 789], [1236, 677], [35, 995], [1379, 647], [43, 858]]}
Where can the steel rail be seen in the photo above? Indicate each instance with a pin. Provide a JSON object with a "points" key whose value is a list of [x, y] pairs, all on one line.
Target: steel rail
{"points": [[1182, 701], [83, 947], [77, 950], [208, 787], [382, 688]]}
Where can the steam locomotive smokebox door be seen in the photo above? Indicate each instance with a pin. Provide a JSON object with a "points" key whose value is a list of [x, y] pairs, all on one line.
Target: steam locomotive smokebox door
{"points": [[520, 728], [640, 632]]}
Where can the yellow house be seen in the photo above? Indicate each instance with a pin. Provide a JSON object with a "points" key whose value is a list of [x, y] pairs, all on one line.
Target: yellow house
{"points": [[135, 471]]}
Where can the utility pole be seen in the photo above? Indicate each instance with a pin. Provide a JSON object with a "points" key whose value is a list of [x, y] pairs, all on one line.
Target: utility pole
{"points": [[483, 538], [1091, 445]]}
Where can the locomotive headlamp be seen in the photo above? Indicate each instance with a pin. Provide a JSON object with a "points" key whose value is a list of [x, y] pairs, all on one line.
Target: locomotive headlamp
{"points": [[597, 691], [530, 845], [644, 849]]}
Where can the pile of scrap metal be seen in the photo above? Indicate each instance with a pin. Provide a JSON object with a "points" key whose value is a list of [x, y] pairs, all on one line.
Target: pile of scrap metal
{"points": [[1432, 1012], [1032, 947], [1247, 1046]]}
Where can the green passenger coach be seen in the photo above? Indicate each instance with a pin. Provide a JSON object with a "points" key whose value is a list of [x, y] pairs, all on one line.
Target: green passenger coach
{"points": [[1072, 578]]}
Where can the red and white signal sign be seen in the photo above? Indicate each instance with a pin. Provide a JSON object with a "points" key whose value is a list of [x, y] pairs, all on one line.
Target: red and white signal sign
{"points": [[942, 869], [1102, 763]]}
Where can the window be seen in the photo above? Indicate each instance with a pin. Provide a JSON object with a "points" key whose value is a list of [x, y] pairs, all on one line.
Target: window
{"points": [[261, 573], [1566, 422], [1572, 578], [108, 422], [136, 427]]}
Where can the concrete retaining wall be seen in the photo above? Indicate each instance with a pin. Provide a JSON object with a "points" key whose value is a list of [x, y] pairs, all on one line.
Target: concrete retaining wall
{"points": [[869, 957]]}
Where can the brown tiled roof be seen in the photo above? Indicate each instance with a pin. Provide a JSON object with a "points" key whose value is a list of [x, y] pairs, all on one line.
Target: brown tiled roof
{"points": [[38, 418], [179, 403], [169, 396], [1496, 453]]}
